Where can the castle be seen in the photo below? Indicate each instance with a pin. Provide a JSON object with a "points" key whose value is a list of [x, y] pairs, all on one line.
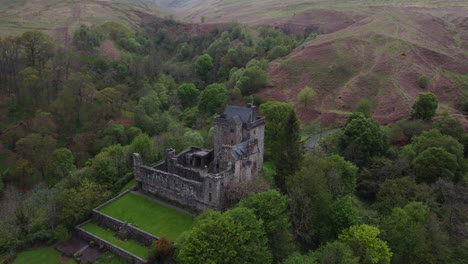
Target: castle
{"points": [[198, 178]]}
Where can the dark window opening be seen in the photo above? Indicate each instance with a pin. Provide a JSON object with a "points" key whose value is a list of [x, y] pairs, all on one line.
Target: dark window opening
{"points": [[209, 196], [210, 184], [232, 130]]}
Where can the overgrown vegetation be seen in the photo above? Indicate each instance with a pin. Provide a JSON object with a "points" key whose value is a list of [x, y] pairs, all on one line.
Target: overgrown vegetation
{"points": [[71, 118]]}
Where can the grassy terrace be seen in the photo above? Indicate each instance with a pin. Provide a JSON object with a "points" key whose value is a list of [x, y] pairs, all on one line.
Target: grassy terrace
{"points": [[41, 256], [149, 216], [129, 245]]}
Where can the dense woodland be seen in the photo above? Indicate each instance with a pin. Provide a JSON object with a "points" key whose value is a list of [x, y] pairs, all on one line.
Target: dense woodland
{"points": [[70, 117]]}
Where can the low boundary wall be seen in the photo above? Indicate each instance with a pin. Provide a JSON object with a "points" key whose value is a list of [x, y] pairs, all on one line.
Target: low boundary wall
{"points": [[116, 225], [131, 258]]}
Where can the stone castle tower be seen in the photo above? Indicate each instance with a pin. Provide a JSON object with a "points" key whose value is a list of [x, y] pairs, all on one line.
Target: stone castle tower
{"points": [[197, 178]]}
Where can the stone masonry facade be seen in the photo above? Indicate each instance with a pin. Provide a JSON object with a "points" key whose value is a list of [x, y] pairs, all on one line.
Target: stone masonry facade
{"points": [[197, 178]]}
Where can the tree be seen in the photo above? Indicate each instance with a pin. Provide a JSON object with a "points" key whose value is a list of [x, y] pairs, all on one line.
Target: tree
{"points": [[361, 139], [212, 98], [271, 208], [423, 81], [251, 78], [37, 47], [425, 106], [399, 192], [233, 237], [204, 64], [306, 96], [344, 214], [60, 165], [144, 145], [87, 38], [366, 245], [366, 107], [450, 126], [163, 246], [282, 139], [37, 149], [297, 258], [405, 231], [335, 252], [433, 163], [188, 95]]}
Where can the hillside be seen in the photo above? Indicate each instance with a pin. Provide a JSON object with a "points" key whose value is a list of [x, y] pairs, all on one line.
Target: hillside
{"points": [[367, 49], [59, 17]]}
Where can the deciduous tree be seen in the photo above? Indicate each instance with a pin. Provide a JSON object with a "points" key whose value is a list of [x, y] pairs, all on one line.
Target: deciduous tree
{"points": [[425, 106]]}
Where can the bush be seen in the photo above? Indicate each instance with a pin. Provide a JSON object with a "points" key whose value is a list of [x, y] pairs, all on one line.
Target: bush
{"points": [[423, 81]]}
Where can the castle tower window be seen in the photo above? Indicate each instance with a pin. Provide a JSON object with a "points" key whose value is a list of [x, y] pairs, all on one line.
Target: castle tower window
{"points": [[209, 197], [210, 184], [232, 130]]}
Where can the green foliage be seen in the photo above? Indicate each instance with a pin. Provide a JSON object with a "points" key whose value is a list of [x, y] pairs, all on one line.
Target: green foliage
{"points": [[87, 38], [282, 139], [335, 252], [366, 245], [423, 81], [306, 96], [109, 167], [238, 231], [143, 144], [188, 95], [38, 47], [60, 165], [37, 149], [425, 106], [361, 139], [365, 106], [321, 203], [450, 126], [434, 163], [204, 64], [297, 258], [399, 192], [251, 78], [406, 233], [212, 98], [270, 208]]}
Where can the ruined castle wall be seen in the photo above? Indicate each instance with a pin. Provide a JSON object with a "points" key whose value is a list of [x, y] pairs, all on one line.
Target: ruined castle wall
{"points": [[226, 134], [179, 189]]}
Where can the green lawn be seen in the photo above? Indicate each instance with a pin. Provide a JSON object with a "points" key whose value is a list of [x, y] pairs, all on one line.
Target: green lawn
{"points": [[41, 256], [108, 235], [149, 216]]}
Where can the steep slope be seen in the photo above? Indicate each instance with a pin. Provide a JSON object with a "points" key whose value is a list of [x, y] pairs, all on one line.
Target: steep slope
{"points": [[380, 57], [59, 17], [367, 49]]}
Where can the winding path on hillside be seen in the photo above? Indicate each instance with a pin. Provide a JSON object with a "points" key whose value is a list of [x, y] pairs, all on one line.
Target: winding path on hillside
{"points": [[315, 140]]}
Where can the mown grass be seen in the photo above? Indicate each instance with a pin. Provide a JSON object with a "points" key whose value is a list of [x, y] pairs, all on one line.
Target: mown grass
{"points": [[129, 245], [149, 216], [41, 256]]}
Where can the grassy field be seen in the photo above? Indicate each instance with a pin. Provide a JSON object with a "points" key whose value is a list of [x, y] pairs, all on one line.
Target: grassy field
{"points": [[129, 245], [41, 256], [149, 216]]}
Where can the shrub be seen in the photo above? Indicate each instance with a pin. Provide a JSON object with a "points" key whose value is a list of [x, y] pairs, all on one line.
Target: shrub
{"points": [[423, 81]]}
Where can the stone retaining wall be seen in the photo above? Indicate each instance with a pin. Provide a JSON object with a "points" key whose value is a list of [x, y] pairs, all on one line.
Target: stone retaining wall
{"points": [[113, 224], [131, 258]]}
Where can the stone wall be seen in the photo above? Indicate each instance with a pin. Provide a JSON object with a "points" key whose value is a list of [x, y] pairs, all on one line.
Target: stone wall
{"points": [[179, 189], [113, 224], [132, 259]]}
